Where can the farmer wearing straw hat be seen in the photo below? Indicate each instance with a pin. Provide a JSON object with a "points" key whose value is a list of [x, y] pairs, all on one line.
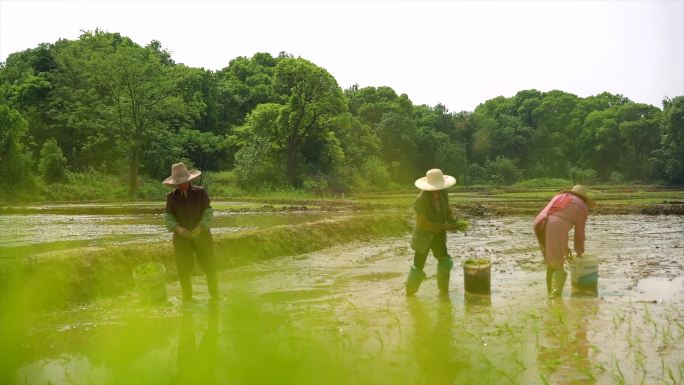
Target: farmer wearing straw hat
{"points": [[188, 215], [433, 219], [551, 226]]}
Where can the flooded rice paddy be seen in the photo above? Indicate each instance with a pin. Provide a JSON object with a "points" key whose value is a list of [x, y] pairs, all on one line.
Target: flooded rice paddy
{"points": [[64, 223], [339, 315]]}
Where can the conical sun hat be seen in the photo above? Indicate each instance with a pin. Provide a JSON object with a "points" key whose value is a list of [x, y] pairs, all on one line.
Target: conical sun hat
{"points": [[180, 174], [583, 192], [434, 180]]}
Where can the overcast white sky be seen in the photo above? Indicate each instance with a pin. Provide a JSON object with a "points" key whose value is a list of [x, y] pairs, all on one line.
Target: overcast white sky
{"points": [[456, 53]]}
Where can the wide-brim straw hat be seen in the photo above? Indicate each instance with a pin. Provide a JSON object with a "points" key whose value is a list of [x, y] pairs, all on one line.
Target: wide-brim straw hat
{"points": [[180, 174], [583, 192], [434, 180]]}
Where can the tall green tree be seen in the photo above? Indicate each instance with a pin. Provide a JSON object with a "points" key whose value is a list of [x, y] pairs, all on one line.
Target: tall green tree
{"points": [[15, 162], [111, 96], [639, 126], [140, 90], [551, 136], [398, 135], [260, 159], [52, 163], [673, 139], [314, 99], [370, 104], [244, 84]]}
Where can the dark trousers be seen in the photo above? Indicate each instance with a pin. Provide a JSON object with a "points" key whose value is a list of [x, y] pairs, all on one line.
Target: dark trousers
{"points": [[438, 247], [185, 251]]}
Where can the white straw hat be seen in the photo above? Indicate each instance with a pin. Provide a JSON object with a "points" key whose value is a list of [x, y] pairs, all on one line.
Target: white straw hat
{"points": [[434, 180], [180, 175]]}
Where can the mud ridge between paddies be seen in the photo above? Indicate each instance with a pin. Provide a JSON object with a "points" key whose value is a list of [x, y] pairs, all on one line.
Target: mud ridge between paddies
{"points": [[476, 207], [532, 208], [63, 278], [157, 207]]}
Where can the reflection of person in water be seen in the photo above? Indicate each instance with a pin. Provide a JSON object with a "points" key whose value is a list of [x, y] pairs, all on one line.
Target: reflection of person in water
{"points": [[195, 362], [551, 226], [433, 343], [564, 348]]}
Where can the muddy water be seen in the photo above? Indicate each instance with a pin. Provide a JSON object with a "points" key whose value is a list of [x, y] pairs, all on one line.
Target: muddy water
{"points": [[31, 229], [340, 316]]}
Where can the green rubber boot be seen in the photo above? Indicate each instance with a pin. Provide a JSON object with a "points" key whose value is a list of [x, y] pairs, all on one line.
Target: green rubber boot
{"points": [[557, 282], [415, 277], [444, 267]]}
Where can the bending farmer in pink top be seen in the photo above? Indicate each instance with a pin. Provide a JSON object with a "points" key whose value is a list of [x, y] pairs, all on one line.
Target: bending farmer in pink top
{"points": [[566, 210]]}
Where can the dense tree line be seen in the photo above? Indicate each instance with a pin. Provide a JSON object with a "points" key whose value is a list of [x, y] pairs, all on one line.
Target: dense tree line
{"points": [[103, 103]]}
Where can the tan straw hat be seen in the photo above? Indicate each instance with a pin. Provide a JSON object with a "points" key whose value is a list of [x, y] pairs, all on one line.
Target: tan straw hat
{"points": [[180, 175], [434, 180], [582, 192]]}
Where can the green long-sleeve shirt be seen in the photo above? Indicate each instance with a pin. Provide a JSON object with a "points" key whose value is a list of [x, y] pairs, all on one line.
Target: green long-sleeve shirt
{"points": [[205, 222]]}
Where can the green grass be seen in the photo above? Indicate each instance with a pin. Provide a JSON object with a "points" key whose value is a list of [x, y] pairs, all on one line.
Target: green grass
{"points": [[609, 199], [543, 183], [98, 187], [524, 199]]}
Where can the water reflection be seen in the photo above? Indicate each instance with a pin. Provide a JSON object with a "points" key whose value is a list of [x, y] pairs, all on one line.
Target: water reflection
{"points": [[584, 292], [564, 348], [433, 342], [34, 229], [197, 352], [477, 302]]}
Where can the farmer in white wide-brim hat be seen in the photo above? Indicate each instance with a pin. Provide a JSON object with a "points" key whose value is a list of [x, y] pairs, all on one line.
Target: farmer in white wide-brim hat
{"points": [[433, 219], [188, 215], [551, 226]]}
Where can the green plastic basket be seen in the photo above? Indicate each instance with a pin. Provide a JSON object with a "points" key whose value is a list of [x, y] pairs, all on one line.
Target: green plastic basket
{"points": [[150, 282]]}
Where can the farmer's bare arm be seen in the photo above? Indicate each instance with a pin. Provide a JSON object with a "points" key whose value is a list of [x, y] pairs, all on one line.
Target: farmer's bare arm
{"points": [[579, 238]]}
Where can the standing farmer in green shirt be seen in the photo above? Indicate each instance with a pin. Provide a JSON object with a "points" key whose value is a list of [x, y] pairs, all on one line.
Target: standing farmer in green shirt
{"points": [[188, 215], [433, 219]]}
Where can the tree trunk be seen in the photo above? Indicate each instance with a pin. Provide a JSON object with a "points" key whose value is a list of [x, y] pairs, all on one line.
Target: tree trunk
{"points": [[133, 174], [291, 172]]}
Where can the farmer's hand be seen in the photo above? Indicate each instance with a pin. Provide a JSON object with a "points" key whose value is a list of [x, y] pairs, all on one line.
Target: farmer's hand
{"points": [[570, 257], [195, 232], [183, 232]]}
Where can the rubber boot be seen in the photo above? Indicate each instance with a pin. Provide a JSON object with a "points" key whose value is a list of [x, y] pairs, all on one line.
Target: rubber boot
{"points": [[557, 282], [212, 286], [186, 287], [415, 277], [549, 276], [444, 267]]}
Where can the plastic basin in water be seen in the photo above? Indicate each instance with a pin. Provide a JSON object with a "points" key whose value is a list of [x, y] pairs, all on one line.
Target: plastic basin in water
{"points": [[150, 282], [584, 272]]}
